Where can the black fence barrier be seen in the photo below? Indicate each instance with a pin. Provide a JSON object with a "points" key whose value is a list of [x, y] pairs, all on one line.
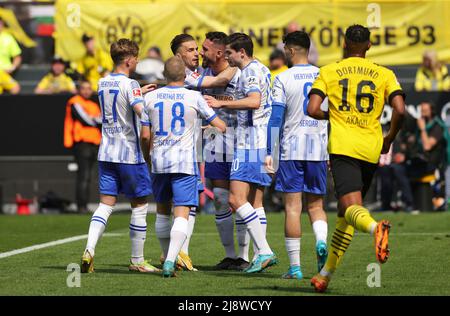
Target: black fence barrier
{"points": [[32, 125], [34, 161]]}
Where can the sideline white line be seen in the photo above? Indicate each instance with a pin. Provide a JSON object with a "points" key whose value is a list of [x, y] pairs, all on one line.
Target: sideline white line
{"points": [[50, 244]]}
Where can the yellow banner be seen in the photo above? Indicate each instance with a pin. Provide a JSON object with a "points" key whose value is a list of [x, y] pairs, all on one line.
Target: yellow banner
{"points": [[401, 30], [15, 29]]}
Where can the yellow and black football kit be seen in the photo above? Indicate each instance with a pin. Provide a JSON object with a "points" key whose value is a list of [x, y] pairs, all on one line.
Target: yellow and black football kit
{"points": [[357, 91]]}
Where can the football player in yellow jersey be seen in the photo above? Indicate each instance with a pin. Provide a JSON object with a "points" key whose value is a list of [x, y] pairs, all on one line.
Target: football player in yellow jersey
{"points": [[357, 90], [7, 83], [95, 64]]}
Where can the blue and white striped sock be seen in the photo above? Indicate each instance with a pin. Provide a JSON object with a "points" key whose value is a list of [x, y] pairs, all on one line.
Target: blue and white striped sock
{"points": [[178, 235], [225, 226], [254, 227], [138, 233], [191, 224], [162, 230], [263, 220], [97, 227], [243, 238]]}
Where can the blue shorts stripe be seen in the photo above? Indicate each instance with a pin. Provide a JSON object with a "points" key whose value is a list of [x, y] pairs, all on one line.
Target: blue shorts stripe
{"points": [[251, 219]]}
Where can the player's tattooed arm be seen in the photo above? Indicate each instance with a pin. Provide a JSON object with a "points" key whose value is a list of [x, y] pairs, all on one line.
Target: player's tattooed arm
{"points": [[251, 102], [221, 80]]}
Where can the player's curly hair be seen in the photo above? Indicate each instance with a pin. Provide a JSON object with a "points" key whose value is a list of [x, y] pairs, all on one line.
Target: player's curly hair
{"points": [[239, 41], [357, 34], [122, 49]]}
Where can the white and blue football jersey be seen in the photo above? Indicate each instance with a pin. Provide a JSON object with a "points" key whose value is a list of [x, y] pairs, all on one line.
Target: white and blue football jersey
{"points": [[218, 142], [120, 124], [251, 132], [193, 79], [174, 114], [302, 137]]}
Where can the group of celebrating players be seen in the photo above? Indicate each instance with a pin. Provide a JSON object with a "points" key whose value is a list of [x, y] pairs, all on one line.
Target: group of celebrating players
{"points": [[254, 133]]}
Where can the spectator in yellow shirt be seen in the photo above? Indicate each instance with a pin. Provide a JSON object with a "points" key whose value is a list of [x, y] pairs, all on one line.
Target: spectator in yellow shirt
{"points": [[8, 83], [95, 64], [432, 75], [10, 51], [56, 81], [277, 63]]}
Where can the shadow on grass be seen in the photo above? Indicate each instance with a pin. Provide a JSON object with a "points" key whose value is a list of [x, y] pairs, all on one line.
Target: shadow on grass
{"points": [[112, 268], [228, 273]]}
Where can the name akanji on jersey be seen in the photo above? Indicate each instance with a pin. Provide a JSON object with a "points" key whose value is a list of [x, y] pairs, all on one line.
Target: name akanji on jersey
{"points": [[357, 91]]}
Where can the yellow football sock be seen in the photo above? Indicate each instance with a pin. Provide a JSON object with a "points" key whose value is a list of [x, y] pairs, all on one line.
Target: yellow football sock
{"points": [[359, 217], [342, 238]]}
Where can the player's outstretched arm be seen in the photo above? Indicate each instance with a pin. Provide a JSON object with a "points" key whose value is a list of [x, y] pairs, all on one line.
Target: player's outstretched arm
{"points": [[146, 139], [221, 80], [398, 114], [314, 109], [251, 102], [219, 124]]}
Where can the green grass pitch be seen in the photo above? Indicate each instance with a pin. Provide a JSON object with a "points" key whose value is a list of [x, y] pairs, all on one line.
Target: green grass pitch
{"points": [[420, 254]]}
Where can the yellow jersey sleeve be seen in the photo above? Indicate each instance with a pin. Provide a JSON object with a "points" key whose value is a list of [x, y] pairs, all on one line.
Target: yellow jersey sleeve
{"points": [[319, 86], [393, 87]]}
